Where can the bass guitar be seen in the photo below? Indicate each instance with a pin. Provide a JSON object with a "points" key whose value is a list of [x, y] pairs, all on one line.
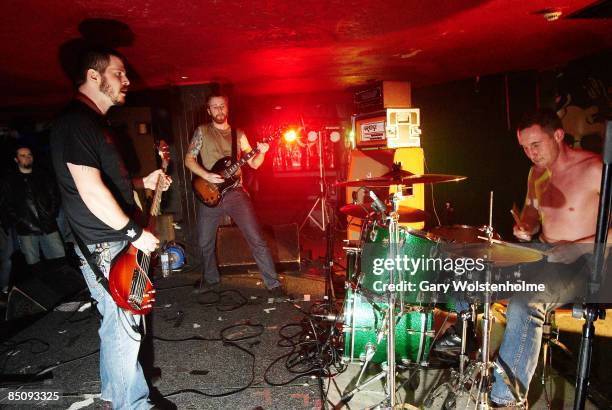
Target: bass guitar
{"points": [[210, 193], [128, 280]]}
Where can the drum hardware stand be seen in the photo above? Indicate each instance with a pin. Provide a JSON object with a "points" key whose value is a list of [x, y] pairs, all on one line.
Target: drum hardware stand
{"points": [[483, 402], [592, 311], [389, 320], [550, 336], [484, 366], [456, 386]]}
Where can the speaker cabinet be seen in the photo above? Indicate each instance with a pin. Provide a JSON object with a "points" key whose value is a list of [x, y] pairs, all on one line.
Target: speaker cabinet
{"points": [[385, 94], [42, 291], [234, 252], [376, 162]]}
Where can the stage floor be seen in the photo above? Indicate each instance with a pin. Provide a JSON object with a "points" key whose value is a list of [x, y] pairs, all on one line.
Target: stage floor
{"points": [[212, 367]]}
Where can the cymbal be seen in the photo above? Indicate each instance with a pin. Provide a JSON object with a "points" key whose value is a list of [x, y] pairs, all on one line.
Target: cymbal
{"points": [[499, 253], [405, 180], [406, 213]]}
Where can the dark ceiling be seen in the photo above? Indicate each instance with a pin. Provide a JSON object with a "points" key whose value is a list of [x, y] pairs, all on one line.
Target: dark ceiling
{"points": [[277, 47]]}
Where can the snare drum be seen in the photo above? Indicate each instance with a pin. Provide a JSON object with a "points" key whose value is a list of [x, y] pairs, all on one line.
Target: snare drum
{"points": [[412, 244], [363, 321]]}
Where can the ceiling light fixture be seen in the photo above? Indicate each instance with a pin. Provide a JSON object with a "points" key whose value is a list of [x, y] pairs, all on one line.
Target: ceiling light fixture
{"points": [[552, 15]]}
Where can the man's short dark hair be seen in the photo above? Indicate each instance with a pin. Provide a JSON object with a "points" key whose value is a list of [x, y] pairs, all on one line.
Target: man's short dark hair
{"points": [[22, 146], [547, 119], [95, 58], [216, 95]]}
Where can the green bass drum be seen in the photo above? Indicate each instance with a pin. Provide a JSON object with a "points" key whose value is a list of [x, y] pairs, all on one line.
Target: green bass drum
{"points": [[362, 321]]}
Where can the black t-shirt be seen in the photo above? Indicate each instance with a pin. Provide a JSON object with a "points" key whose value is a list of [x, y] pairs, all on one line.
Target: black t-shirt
{"points": [[82, 136]]}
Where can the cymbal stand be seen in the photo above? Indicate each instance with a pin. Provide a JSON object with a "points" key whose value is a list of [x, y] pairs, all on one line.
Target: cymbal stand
{"points": [[393, 252], [389, 320], [485, 375]]}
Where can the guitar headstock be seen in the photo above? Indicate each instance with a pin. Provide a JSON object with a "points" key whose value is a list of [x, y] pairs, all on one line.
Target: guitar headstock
{"points": [[163, 150]]}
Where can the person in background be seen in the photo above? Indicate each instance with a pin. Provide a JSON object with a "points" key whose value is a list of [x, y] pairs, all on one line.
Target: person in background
{"points": [[32, 204]]}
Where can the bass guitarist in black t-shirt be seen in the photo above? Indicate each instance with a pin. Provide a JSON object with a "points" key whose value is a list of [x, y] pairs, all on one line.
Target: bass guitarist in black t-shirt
{"points": [[97, 197]]}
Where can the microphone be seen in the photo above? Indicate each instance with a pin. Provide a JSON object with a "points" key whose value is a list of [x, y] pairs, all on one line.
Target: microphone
{"points": [[329, 317], [377, 205]]}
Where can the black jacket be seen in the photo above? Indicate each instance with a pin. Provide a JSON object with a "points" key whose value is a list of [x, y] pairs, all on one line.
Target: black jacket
{"points": [[32, 202]]}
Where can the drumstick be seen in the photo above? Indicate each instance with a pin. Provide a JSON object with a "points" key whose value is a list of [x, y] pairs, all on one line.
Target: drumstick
{"points": [[517, 219], [515, 216]]}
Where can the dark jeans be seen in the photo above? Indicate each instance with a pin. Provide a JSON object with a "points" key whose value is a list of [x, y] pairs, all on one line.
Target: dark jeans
{"points": [[237, 204]]}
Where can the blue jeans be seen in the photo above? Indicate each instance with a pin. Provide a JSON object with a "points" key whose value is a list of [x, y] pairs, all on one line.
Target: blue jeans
{"points": [[520, 348], [51, 245], [121, 378], [6, 250], [237, 204]]}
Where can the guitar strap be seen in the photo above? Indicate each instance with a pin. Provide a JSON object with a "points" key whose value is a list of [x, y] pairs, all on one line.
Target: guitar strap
{"points": [[234, 145], [101, 279]]}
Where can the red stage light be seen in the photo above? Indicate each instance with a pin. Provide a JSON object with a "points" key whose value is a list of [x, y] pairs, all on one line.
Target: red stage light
{"points": [[290, 135]]}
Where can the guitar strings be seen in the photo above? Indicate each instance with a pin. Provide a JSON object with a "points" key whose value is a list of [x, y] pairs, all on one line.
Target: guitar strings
{"points": [[140, 283]]}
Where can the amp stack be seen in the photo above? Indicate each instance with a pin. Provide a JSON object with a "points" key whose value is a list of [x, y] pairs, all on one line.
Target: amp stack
{"points": [[386, 138]]}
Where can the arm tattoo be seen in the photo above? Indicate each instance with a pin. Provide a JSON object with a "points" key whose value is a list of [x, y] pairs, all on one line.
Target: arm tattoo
{"points": [[196, 143]]}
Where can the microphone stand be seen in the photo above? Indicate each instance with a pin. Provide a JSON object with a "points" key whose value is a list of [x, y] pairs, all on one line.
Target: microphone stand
{"points": [[590, 311]]}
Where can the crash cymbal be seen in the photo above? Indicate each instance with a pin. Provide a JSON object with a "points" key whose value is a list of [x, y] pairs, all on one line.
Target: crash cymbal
{"points": [[499, 253], [406, 180], [369, 182], [406, 213], [431, 178]]}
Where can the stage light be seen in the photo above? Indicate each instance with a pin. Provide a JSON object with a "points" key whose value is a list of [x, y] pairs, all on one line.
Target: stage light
{"points": [[312, 136], [290, 135], [334, 136]]}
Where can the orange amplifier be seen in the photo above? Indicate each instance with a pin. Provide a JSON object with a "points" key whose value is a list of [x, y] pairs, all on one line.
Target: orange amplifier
{"points": [[370, 163]]}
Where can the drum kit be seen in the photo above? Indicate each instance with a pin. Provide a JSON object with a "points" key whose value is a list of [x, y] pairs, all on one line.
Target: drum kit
{"points": [[387, 319]]}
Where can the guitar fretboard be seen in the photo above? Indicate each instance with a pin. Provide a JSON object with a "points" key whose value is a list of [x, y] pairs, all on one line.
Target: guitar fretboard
{"points": [[232, 169]]}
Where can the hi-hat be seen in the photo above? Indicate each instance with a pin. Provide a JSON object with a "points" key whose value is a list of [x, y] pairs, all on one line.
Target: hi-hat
{"points": [[404, 180], [406, 213]]}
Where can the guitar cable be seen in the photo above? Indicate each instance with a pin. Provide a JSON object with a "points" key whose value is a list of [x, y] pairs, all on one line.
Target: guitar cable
{"points": [[134, 326], [258, 330]]}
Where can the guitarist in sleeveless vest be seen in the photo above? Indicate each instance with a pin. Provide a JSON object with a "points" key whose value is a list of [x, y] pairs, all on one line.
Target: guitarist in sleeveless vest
{"points": [[212, 142], [97, 198]]}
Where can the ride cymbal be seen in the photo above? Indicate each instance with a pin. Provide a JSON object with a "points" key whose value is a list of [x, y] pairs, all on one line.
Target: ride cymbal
{"points": [[405, 180]]}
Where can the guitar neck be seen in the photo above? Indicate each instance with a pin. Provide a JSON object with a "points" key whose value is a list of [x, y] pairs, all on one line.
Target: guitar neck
{"points": [[232, 169], [155, 204]]}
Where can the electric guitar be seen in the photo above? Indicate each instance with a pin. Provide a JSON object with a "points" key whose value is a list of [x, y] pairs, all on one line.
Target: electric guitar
{"points": [[210, 193], [128, 280]]}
